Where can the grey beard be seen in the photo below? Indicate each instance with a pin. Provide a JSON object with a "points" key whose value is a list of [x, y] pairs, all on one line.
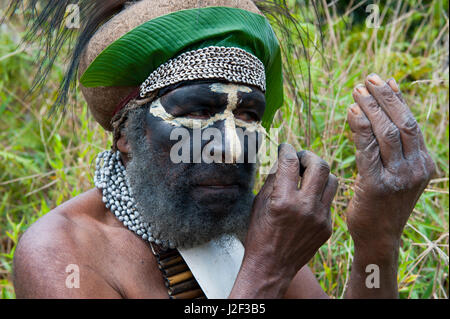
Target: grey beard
{"points": [[162, 192]]}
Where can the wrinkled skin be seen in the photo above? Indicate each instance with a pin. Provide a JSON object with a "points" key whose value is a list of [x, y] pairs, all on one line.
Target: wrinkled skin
{"points": [[288, 222], [288, 225], [394, 168], [290, 216]]}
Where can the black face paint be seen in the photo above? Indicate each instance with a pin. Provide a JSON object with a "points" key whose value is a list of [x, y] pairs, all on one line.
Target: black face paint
{"points": [[189, 203]]}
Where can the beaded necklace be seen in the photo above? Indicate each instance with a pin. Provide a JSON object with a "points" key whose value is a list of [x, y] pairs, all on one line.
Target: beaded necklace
{"points": [[110, 177]]}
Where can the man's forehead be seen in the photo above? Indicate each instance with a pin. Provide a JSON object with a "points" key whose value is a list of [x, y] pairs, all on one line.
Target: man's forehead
{"points": [[213, 88]]}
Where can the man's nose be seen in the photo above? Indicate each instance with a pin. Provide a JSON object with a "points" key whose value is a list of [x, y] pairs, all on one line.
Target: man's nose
{"points": [[229, 146], [233, 147]]}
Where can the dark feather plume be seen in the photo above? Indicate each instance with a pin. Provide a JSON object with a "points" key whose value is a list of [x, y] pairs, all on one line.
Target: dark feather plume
{"points": [[46, 27]]}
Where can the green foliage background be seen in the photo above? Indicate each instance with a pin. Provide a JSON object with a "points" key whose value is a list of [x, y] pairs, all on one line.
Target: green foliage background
{"points": [[45, 161]]}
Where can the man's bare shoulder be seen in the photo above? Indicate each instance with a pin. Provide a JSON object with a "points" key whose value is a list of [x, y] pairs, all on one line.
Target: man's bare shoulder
{"points": [[113, 261], [67, 225], [61, 238]]}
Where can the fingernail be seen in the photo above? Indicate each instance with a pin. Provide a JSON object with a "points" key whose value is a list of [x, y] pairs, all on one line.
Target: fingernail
{"points": [[362, 90], [393, 84], [375, 79], [354, 108]]}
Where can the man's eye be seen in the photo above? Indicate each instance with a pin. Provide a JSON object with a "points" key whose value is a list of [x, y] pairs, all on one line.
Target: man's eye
{"points": [[247, 116], [202, 114]]}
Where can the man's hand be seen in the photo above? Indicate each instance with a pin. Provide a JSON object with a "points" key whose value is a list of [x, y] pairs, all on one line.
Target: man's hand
{"points": [[394, 168], [288, 224]]}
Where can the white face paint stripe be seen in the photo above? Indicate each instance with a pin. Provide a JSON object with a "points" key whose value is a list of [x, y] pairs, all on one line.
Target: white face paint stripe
{"points": [[157, 110], [233, 146]]}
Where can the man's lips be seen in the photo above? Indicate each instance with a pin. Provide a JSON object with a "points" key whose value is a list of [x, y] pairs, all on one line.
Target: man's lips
{"points": [[214, 186], [217, 191], [219, 187], [217, 183], [205, 191]]}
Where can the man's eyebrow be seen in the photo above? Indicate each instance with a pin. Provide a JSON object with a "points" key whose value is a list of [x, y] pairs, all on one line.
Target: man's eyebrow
{"points": [[196, 96], [251, 99]]}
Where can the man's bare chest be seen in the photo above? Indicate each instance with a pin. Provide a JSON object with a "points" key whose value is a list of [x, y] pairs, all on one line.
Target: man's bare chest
{"points": [[130, 267]]}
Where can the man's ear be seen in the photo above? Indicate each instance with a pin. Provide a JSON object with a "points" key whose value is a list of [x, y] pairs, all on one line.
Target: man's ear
{"points": [[122, 144]]}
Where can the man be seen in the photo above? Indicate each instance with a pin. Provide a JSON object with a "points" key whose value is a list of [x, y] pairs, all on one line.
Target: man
{"points": [[143, 195]]}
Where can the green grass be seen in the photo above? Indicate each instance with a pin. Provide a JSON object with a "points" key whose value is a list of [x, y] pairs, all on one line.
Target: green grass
{"points": [[46, 161]]}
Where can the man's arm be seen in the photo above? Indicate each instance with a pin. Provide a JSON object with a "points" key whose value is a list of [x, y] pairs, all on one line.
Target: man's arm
{"points": [[394, 168], [305, 286]]}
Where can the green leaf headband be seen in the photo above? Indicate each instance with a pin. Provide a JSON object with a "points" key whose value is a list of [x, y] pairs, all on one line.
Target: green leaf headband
{"points": [[129, 60]]}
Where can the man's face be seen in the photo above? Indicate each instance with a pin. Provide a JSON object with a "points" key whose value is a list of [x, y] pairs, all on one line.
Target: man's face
{"points": [[192, 160]]}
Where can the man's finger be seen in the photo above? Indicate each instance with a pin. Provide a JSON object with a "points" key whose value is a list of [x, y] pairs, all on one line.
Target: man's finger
{"points": [[267, 188], [367, 149], [398, 112], [316, 173], [394, 86], [330, 190], [386, 133], [287, 175]]}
